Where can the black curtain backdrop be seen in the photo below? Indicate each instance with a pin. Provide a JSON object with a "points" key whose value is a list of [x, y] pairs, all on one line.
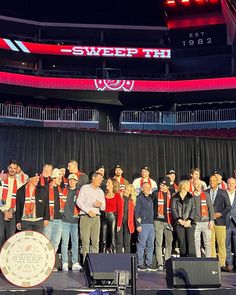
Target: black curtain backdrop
{"points": [[32, 147]]}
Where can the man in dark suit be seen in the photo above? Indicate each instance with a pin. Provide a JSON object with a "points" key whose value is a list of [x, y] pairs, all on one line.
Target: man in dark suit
{"points": [[221, 204], [231, 224]]}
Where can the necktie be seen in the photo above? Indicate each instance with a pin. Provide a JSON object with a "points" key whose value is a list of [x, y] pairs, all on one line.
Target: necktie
{"points": [[213, 196]]}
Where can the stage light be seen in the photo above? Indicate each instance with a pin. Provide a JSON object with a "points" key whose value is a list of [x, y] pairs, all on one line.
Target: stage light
{"points": [[214, 1], [170, 3], [185, 2], [200, 2]]}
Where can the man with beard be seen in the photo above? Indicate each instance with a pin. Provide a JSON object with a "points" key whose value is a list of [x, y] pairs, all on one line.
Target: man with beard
{"points": [[8, 191], [119, 177], [145, 173]]}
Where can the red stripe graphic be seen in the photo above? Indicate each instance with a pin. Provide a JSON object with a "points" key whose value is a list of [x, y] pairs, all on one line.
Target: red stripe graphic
{"points": [[117, 85]]}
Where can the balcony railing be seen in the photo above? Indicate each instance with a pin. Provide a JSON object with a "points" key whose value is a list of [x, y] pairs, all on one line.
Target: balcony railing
{"points": [[149, 120], [49, 117]]}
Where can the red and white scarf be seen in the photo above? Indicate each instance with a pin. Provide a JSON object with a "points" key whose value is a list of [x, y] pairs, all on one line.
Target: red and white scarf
{"points": [[42, 180], [121, 182], [143, 181], [5, 192], [23, 178], [175, 187], [29, 201], [65, 181], [191, 189], [52, 200], [223, 185], [160, 209], [203, 206], [76, 208]]}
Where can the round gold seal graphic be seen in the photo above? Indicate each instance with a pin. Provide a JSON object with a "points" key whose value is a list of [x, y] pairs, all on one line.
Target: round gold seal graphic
{"points": [[27, 259]]}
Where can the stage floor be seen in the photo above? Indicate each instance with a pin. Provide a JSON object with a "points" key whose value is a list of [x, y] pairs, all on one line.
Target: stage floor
{"points": [[147, 283]]}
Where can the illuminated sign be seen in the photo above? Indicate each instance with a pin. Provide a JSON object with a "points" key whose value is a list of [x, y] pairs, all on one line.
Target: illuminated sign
{"points": [[117, 85], [75, 50]]}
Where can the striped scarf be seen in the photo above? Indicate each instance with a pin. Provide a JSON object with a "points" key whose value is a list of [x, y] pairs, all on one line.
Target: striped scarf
{"points": [[160, 209], [223, 185], [76, 208], [149, 181], [79, 173], [175, 187], [65, 181], [51, 200], [29, 202], [5, 192], [42, 180], [203, 206], [23, 178], [191, 189], [121, 182]]}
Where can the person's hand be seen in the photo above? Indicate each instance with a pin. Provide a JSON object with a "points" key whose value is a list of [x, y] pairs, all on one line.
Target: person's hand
{"points": [[217, 215], [97, 204], [181, 222], [91, 213], [139, 229], [187, 223], [45, 222], [18, 226], [210, 224], [7, 215], [118, 228], [3, 176]]}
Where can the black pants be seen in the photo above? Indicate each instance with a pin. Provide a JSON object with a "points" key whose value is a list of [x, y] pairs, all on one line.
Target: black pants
{"points": [[123, 239], [186, 240], [7, 228], [32, 225], [108, 231]]}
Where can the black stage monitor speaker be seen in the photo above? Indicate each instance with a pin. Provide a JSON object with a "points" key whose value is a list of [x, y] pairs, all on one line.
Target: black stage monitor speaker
{"points": [[190, 272], [100, 268]]}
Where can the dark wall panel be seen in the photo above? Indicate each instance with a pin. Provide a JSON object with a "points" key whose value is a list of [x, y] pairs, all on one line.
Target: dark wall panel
{"points": [[35, 146]]}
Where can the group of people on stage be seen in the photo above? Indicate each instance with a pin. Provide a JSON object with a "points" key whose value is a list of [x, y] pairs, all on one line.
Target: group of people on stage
{"points": [[104, 214]]}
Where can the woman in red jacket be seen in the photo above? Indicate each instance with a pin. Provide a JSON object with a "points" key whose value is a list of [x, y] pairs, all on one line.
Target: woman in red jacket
{"points": [[110, 216], [125, 224]]}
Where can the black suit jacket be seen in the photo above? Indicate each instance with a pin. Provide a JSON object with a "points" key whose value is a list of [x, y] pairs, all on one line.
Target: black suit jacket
{"points": [[221, 205], [232, 213], [41, 202]]}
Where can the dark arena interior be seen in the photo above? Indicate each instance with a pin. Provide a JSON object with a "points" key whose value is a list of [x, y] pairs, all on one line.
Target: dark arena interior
{"points": [[136, 87]]}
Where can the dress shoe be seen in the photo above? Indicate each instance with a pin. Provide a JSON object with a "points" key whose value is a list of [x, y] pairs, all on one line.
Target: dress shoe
{"points": [[229, 267], [223, 268]]}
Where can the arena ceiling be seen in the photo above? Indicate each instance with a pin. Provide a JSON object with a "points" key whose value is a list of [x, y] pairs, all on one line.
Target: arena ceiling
{"points": [[107, 12]]}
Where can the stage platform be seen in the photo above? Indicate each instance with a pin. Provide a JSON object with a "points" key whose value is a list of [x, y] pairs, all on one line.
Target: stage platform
{"points": [[148, 283]]}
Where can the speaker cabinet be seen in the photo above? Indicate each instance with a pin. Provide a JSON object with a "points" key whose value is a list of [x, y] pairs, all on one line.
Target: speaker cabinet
{"points": [[189, 272], [100, 268]]}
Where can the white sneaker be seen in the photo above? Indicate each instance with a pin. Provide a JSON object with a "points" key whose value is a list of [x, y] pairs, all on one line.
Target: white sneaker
{"points": [[65, 267], [76, 266]]}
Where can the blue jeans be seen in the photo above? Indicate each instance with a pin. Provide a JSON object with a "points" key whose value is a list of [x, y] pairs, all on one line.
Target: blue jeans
{"points": [[145, 241], [53, 232], [69, 230], [230, 233]]}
